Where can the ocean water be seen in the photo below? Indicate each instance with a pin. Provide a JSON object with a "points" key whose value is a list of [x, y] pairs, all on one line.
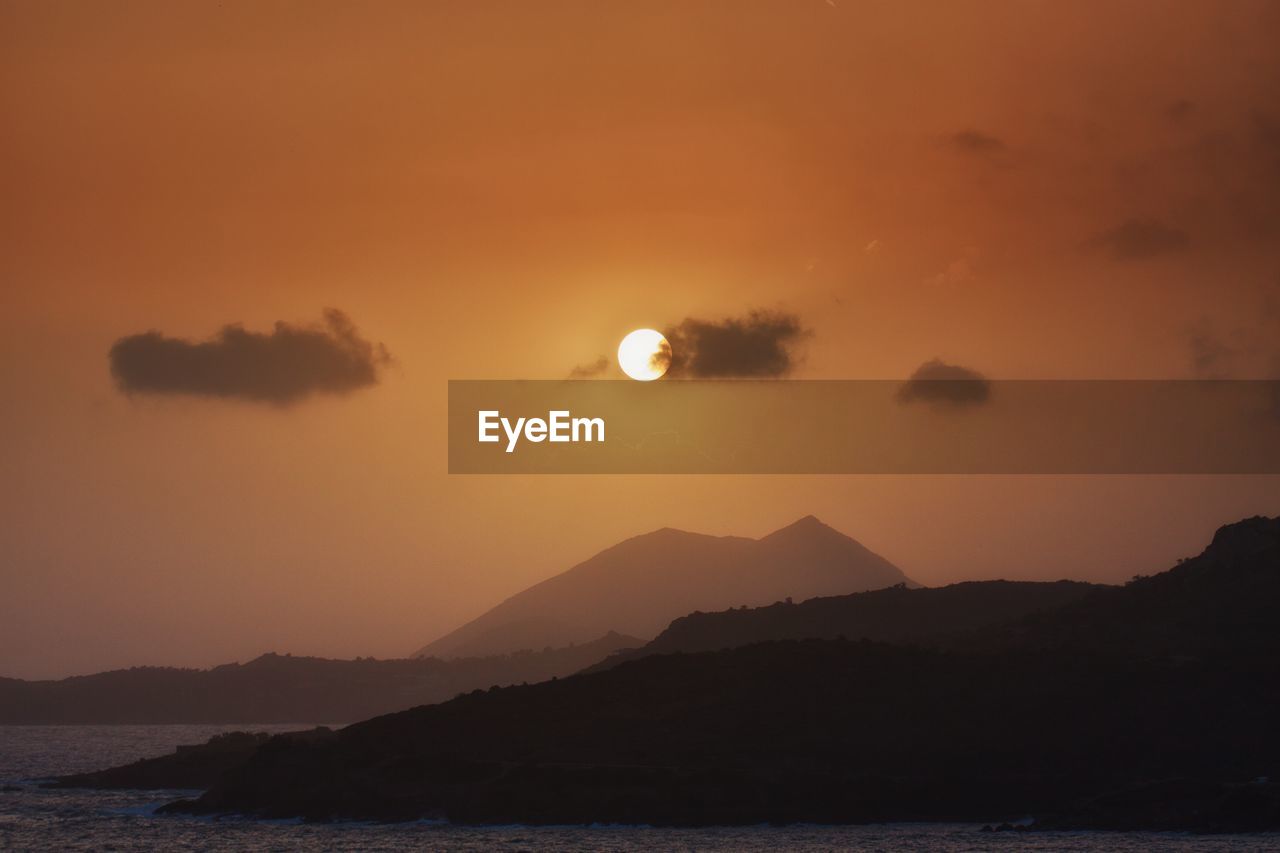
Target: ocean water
{"points": [[38, 819]]}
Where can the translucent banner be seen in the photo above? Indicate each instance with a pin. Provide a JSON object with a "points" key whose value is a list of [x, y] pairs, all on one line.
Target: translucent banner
{"points": [[864, 427]]}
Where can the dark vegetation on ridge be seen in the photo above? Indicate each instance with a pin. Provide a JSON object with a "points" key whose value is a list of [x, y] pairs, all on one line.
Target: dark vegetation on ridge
{"points": [[1151, 705], [923, 616]]}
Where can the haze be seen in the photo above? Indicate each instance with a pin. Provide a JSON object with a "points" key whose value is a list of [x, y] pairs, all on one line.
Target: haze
{"points": [[503, 190]]}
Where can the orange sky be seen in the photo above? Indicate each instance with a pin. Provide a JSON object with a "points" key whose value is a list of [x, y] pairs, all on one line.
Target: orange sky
{"points": [[498, 190]]}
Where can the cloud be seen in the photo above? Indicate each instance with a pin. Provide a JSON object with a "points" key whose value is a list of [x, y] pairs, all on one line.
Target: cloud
{"points": [[1138, 239], [939, 383], [1248, 351], [760, 345], [1256, 203], [974, 142], [592, 370], [958, 272], [1266, 133], [281, 367], [1211, 357], [1179, 110]]}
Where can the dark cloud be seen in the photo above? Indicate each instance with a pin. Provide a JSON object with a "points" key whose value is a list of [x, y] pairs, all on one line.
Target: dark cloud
{"points": [[974, 142], [940, 383], [760, 345], [1232, 174], [1211, 357], [1138, 239], [1248, 350], [592, 370], [283, 366], [1266, 133], [1179, 110], [1258, 204]]}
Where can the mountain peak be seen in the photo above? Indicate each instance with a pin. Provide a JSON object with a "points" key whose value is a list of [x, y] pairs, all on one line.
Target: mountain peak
{"points": [[639, 585], [806, 526], [1247, 535]]}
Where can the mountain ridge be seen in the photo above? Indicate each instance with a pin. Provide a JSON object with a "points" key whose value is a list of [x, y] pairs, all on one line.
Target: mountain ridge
{"points": [[932, 616], [274, 688], [637, 586], [839, 731]]}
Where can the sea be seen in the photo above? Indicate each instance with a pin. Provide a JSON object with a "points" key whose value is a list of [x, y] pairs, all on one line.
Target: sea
{"points": [[35, 818]]}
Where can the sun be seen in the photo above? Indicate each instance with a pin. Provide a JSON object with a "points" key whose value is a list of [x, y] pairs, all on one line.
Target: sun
{"points": [[644, 354]]}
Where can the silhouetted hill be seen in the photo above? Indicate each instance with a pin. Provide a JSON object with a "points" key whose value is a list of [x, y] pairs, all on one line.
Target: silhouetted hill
{"points": [[640, 585], [819, 730], [186, 767], [893, 615], [282, 688], [1066, 728], [1221, 601]]}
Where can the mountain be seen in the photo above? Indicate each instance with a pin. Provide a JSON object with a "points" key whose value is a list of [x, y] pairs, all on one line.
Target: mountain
{"points": [[638, 586], [282, 688], [924, 615], [186, 767], [1037, 717], [1219, 604]]}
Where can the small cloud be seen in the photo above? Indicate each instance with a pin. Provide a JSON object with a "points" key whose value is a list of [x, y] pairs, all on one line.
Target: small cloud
{"points": [[942, 384], [1266, 132], [975, 142], [1211, 357], [1139, 239], [592, 370], [1179, 110], [1249, 350], [760, 345], [871, 248], [958, 272], [283, 366]]}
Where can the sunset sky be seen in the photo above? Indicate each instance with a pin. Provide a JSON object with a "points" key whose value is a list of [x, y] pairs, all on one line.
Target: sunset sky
{"points": [[505, 189]]}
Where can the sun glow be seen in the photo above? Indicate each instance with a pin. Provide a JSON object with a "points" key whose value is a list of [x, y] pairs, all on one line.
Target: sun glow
{"points": [[644, 355]]}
